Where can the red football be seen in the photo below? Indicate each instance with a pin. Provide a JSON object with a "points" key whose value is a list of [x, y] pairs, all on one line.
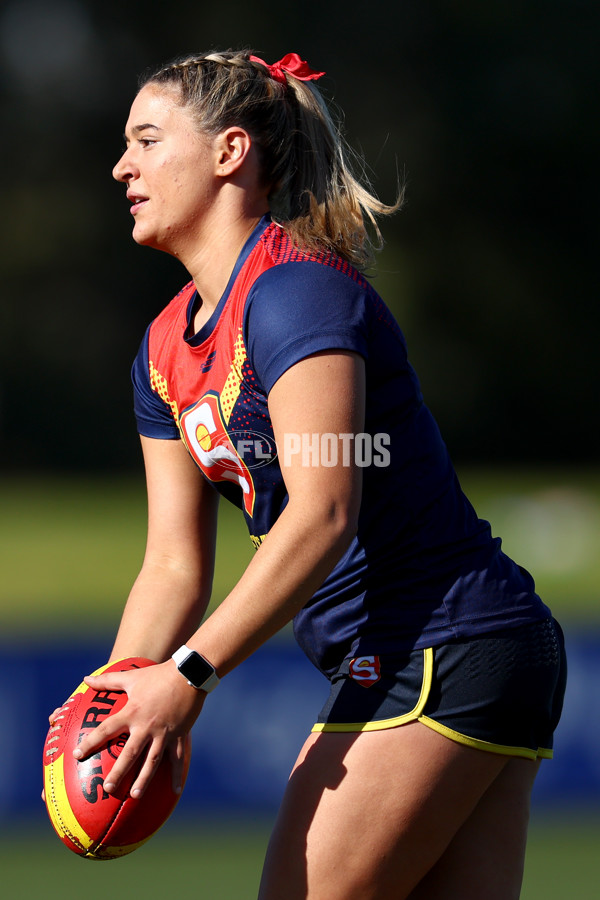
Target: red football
{"points": [[90, 822]]}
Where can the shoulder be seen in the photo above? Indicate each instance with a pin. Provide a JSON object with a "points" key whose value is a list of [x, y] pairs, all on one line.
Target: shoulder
{"points": [[153, 413], [302, 304], [279, 247], [307, 288], [281, 252]]}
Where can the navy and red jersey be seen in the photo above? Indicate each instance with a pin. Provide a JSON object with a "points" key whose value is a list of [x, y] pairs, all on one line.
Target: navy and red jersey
{"points": [[423, 568]]}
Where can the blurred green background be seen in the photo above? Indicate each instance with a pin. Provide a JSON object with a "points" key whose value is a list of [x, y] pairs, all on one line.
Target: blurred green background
{"points": [[70, 546], [488, 111]]}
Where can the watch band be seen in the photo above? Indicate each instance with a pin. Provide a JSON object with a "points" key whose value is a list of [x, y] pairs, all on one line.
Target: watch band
{"points": [[197, 670]]}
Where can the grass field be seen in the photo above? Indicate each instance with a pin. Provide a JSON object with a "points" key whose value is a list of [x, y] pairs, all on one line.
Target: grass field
{"points": [[223, 862], [70, 548]]}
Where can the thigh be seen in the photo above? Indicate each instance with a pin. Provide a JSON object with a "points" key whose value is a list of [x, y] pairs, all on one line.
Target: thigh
{"points": [[487, 855], [366, 815]]}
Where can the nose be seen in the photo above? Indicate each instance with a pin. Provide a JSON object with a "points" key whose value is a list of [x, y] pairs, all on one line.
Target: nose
{"points": [[124, 169]]}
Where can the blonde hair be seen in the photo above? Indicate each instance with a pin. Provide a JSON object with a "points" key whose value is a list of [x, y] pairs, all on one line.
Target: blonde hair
{"points": [[304, 159]]}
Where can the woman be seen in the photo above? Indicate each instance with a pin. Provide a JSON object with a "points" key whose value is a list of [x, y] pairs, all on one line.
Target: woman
{"points": [[446, 669]]}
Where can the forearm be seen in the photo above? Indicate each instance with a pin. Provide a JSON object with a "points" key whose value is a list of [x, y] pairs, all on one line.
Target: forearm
{"points": [[299, 552], [171, 593]]}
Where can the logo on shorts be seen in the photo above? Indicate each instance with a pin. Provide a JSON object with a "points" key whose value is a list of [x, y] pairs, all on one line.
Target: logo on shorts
{"points": [[365, 670]]}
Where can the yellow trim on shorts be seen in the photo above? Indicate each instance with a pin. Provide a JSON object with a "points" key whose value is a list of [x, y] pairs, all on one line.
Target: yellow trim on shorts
{"points": [[416, 715], [503, 749], [382, 724]]}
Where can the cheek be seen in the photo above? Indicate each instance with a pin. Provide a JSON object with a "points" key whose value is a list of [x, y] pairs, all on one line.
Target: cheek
{"points": [[178, 184]]}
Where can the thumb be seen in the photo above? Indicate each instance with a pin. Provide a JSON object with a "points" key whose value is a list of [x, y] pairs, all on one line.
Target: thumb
{"points": [[109, 681]]}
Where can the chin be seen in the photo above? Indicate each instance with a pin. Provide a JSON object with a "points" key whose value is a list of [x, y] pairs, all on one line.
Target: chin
{"points": [[143, 239], [148, 237]]}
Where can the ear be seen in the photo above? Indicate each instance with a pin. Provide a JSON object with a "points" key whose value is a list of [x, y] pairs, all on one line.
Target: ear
{"points": [[232, 148]]}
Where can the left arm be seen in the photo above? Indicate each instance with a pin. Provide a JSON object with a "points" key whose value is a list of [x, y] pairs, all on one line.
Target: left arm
{"points": [[322, 394]]}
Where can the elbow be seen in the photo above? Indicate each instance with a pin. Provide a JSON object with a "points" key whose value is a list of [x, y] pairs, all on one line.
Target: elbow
{"points": [[340, 523], [329, 520]]}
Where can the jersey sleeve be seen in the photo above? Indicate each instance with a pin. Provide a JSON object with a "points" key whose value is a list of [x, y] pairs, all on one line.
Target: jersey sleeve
{"points": [[153, 416], [301, 308]]}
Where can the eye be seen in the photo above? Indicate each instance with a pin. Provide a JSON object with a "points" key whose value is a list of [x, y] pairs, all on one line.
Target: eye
{"points": [[146, 142]]}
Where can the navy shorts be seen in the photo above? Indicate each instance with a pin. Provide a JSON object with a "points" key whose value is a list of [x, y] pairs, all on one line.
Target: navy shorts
{"points": [[502, 692]]}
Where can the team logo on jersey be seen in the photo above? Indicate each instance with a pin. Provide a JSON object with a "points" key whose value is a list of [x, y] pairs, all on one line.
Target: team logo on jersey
{"points": [[207, 440], [365, 670]]}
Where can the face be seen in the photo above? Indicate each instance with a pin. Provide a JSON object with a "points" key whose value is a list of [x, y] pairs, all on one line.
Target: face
{"points": [[168, 170]]}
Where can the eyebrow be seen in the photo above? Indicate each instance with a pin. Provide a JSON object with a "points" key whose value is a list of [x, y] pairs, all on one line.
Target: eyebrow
{"points": [[137, 129]]}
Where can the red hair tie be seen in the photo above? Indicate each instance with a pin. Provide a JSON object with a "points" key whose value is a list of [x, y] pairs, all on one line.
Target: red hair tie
{"points": [[293, 65]]}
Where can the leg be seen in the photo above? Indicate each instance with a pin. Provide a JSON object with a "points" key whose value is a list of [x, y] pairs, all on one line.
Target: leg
{"points": [[487, 855], [366, 816]]}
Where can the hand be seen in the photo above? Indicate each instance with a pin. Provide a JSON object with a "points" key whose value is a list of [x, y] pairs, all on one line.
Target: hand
{"points": [[160, 711]]}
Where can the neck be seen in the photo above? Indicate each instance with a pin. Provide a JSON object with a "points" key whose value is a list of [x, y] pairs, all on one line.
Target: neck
{"points": [[211, 255], [213, 260]]}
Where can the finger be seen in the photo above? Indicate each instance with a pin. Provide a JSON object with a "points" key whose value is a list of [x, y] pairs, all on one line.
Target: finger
{"points": [[99, 737], [54, 715], [128, 757], [60, 712], [149, 767], [177, 759]]}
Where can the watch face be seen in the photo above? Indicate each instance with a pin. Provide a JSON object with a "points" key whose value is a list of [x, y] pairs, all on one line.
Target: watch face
{"points": [[196, 669]]}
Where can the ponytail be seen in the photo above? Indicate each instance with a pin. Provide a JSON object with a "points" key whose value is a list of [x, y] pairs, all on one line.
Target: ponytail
{"points": [[304, 159]]}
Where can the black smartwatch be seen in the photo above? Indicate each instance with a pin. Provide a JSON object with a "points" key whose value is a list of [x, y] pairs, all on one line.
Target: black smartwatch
{"points": [[198, 672]]}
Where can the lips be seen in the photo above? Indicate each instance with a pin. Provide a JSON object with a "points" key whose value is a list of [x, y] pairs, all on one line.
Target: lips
{"points": [[137, 201]]}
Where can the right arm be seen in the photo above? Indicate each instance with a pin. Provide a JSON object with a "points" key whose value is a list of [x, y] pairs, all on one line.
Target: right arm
{"points": [[172, 590]]}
